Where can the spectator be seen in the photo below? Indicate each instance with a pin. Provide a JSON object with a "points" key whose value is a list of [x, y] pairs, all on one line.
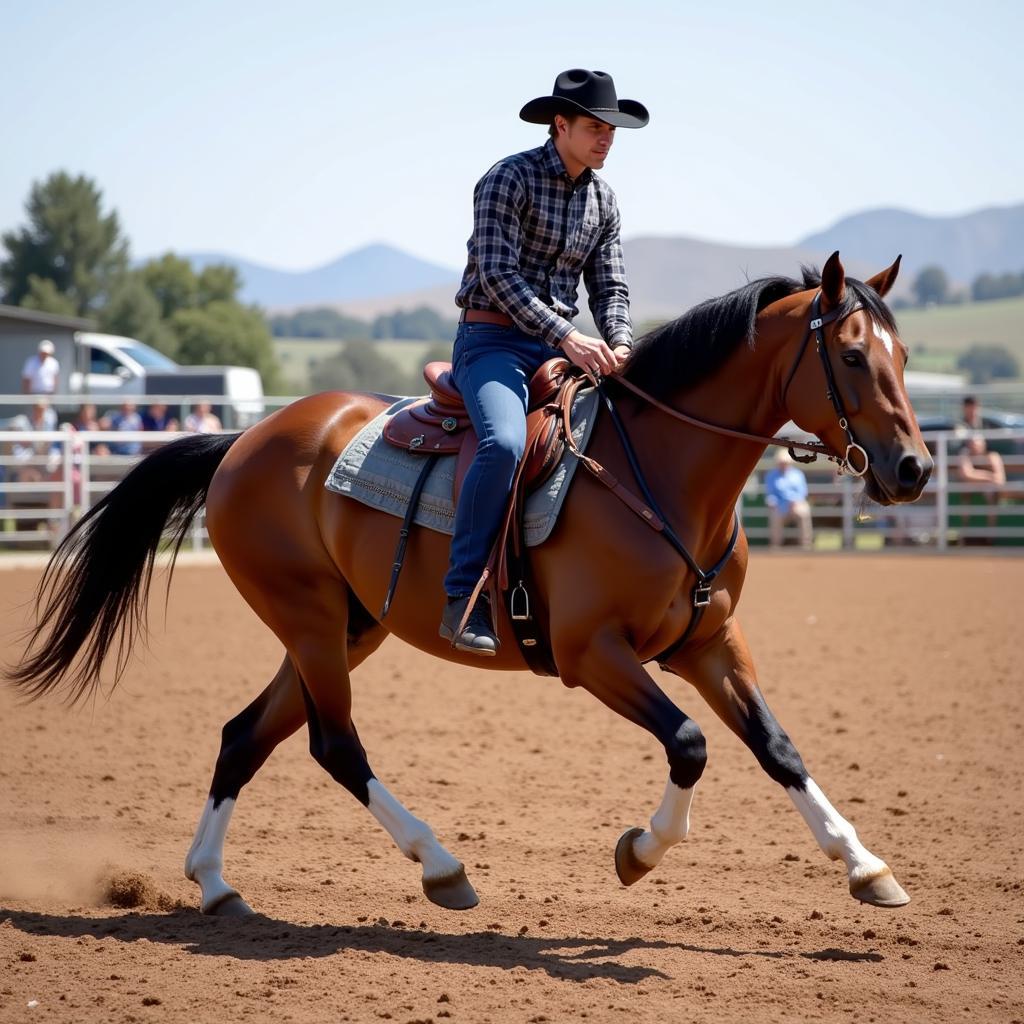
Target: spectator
{"points": [[40, 418], [39, 374], [126, 419], [785, 489], [158, 418], [977, 465], [86, 420], [202, 420]]}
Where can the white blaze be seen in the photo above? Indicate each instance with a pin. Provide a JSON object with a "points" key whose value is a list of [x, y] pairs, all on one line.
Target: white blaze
{"points": [[883, 336]]}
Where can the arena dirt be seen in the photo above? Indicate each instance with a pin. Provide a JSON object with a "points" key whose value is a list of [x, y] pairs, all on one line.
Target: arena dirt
{"points": [[899, 678]]}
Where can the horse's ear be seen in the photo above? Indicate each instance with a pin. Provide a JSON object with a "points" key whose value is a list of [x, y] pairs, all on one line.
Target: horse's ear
{"points": [[883, 282], [833, 281]]}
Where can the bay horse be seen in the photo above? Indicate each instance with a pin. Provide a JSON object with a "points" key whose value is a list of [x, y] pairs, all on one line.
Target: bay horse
{"points": [[311, 562]]}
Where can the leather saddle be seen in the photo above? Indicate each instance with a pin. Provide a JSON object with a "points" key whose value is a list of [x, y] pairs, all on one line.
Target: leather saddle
{"points": [[440, 425]]}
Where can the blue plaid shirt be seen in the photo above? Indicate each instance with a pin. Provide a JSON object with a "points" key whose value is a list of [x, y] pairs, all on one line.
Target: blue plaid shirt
{"points": [[535, 231]]}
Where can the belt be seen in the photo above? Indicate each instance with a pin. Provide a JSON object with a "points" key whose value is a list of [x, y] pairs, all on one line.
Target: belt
{"points": [[487, 316]]}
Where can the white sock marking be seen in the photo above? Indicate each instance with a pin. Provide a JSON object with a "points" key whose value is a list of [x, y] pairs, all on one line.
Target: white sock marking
{"points": [[835, 835], [669, 825], [205, 860], [412, 836]]}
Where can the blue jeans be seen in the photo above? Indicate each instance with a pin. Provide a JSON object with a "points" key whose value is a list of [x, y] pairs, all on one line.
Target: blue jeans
{"points": [[492, 366]]}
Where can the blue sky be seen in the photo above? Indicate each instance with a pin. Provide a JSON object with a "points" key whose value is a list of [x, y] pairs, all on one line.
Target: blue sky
{"points": [[291, 133]]}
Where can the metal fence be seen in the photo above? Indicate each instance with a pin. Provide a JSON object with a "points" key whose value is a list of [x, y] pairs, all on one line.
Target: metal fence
{"points": [[49, 478]]}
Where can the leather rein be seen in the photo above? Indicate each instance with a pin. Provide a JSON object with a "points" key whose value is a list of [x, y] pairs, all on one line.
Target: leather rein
{"points": [[816, 327], [647, 509]]}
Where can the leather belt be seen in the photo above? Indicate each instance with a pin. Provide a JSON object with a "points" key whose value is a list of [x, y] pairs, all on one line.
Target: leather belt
{"points": [[487, 316]]}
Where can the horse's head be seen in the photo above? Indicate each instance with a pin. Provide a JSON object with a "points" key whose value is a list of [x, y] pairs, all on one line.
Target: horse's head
{"points": [[866, 400]]}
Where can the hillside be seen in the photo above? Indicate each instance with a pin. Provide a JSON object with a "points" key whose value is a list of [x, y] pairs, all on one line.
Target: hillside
{"points": [[964, 246], [361, 274]]}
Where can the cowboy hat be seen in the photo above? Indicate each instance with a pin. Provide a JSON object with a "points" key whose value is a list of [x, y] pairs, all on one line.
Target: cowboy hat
{"points": [[586, 92]]}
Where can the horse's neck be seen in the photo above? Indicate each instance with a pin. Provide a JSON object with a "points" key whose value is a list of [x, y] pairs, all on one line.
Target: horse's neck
{"points": [[700, 475]]}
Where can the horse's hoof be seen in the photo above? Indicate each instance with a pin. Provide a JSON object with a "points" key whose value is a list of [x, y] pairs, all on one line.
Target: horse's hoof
{"points": [[628, 866], [881, 891], [229, 905], [453, 892]]}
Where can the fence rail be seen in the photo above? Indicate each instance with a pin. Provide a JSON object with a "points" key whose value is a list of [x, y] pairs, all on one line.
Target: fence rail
{"points": [[48, 479]]}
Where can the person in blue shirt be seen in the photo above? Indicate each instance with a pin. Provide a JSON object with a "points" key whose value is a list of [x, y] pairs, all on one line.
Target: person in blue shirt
{"points": [[785, 489]]}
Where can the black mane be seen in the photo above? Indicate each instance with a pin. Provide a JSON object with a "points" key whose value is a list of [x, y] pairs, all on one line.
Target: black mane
{"points": [[683, 352]]}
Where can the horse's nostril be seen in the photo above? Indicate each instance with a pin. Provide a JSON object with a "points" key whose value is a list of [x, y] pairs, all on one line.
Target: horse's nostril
{"points": [[910, 471]]}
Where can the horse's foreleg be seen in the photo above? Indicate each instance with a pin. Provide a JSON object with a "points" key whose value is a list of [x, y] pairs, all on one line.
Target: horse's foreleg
{"points": [[609, 669], [723, 673]]}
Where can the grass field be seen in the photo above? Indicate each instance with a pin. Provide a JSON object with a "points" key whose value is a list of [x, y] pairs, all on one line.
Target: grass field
{"points": [[936, 336]]}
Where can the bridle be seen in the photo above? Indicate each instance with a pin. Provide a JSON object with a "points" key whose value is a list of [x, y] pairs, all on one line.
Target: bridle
{"points": [[815, 326]]}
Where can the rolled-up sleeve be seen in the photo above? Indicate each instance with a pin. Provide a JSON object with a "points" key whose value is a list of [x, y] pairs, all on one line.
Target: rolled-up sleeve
{"points": [[499, 206], [604, 274]]}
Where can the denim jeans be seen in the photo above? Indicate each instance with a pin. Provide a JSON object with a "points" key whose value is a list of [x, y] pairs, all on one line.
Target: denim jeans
{"points": [[492, 366]]}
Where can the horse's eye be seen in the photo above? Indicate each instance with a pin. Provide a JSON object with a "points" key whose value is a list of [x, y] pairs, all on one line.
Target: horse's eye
{"points": [[853, 359]]}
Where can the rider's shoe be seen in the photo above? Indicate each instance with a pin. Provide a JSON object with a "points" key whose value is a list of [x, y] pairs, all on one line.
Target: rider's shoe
{"points": [[477, 637]]}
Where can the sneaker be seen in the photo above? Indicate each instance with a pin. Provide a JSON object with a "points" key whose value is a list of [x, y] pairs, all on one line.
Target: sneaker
{"points": [[478, 636]]}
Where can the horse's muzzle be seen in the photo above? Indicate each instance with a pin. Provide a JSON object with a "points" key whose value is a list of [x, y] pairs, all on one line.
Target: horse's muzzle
{"points": [[904, 482]]}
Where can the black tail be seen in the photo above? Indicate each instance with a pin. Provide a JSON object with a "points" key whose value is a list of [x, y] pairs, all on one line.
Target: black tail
{"points": [[96, 585]]}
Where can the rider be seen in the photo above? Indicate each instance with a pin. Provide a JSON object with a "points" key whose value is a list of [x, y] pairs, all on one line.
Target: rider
{"points": [[540, 219]]}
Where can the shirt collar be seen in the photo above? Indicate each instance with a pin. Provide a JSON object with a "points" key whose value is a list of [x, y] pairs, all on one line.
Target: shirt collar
{"points": [[552, 162]]}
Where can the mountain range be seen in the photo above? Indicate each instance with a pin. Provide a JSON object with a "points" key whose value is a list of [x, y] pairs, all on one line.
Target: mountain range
{"points": [[666, 274]]}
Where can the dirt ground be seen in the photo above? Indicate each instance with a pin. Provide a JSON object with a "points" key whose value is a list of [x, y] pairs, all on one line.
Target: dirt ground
{"points": [[899, 678]]}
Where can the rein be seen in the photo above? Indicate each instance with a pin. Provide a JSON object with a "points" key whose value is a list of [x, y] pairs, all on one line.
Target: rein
{"points": [[814, 448], [647, 509]]}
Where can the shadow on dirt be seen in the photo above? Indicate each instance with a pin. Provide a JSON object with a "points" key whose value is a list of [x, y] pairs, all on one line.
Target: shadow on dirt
{"points": [[573, 958]]}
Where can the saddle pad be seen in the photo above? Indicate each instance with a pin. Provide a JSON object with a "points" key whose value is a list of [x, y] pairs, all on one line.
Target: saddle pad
{"points": [[382, 476]]}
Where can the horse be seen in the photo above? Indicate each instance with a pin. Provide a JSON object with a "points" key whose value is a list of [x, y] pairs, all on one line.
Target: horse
{"points": [[699, 400]]}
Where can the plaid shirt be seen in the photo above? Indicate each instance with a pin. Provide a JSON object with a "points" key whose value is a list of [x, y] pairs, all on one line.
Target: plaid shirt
{"points": [[535, 231]]}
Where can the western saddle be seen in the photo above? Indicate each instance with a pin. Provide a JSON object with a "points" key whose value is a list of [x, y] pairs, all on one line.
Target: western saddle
{"points": [[439, 425]]}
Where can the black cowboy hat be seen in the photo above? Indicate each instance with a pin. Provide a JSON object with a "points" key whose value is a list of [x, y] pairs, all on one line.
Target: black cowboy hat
{"points": [[586, 92]]}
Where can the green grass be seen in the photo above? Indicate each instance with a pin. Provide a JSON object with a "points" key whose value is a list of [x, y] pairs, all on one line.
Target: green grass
{"points": [[937, 335]]}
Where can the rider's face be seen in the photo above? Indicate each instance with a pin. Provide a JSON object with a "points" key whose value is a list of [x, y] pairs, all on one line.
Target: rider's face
{"points": [[584, 142]]}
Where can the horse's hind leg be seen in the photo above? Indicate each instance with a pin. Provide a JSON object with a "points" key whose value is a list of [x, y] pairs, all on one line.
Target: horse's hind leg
{"points": [[723, 673], [312, 626], [246, 743]]}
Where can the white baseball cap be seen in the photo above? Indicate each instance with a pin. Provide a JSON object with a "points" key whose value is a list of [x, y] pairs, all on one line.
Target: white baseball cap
{"points": [[46, 346]]}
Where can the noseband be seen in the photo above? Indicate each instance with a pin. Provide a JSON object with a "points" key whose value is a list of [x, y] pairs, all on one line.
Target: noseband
{"points": [[813, 448]]}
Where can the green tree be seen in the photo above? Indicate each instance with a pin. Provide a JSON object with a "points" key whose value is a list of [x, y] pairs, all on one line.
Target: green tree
{"points": [[420, 324], [218, 282], [321, 322], [991, 286], [69, 241], [172, 282], [134, 311], [44, 296], [931, 286], [985, 362], [225, 333], [358, 366]]}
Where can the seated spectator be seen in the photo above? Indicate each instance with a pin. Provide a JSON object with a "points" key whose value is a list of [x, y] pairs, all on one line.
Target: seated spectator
{"points": [[86, 420], [202, 420], [785, 489], [128, 420], [977, 465], [157, 418], [31, 454]]}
